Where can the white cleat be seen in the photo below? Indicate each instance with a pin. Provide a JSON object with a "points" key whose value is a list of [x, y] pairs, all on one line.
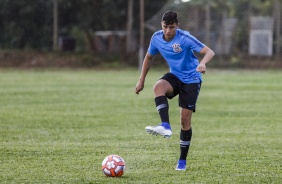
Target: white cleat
{"points": [[162, 129]]}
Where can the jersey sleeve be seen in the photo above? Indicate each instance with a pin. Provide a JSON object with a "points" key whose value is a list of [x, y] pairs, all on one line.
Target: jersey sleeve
{"points": [[195, 44], [152, 47]]}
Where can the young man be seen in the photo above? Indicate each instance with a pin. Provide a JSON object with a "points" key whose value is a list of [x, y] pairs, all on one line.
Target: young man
{"points": [[184, 79]]}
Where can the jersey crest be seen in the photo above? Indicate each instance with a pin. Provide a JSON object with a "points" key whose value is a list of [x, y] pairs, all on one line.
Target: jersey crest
{"points": [[176, 47]]}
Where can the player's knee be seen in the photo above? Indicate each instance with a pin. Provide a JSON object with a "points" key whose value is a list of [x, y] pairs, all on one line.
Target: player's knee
{"points": [[157, 88], [185, 122], [162, 88]]}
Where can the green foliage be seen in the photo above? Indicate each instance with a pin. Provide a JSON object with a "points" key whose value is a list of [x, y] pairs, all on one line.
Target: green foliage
{"points": [[25, 24], [57, 127], [29, 24]]}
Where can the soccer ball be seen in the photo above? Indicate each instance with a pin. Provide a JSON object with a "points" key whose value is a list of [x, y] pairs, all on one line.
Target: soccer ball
{"points": [[113, 166]]}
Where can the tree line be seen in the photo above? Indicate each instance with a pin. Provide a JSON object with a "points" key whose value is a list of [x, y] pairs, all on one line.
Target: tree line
{"points": [[30, 23]]}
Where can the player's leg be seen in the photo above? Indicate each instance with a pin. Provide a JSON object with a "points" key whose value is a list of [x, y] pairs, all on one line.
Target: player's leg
{"points": [[162, 89], [185, 137], [185, 119], [187, 101]]}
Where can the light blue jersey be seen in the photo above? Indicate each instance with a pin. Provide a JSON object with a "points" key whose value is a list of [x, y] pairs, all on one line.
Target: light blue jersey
{"points": [[179, 54]]}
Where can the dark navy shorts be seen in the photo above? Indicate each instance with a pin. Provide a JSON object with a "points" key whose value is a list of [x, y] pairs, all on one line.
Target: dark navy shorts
{"points": [[188, 93]]}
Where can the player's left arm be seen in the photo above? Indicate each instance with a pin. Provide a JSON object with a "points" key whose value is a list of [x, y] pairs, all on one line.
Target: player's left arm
{"points": [[208, 55]]}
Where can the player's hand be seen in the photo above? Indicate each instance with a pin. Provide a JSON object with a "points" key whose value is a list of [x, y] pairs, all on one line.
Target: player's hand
{"points": [[201, 68], [139, 87]]}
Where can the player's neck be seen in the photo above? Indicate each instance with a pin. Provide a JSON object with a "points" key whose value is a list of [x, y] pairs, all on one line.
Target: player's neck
{"points": [[168, 38]]}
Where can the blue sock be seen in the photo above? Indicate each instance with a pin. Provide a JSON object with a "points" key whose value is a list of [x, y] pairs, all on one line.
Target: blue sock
{"points": [[166, 125]]}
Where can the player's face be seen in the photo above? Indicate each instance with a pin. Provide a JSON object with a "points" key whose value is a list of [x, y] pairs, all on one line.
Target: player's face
{"points": [[169, 30]]}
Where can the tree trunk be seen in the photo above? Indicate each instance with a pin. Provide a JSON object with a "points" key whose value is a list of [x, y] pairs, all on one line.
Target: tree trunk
{"points": [[55, 25], [208, 23], [141, 41], [129, 26], [90, 40]]}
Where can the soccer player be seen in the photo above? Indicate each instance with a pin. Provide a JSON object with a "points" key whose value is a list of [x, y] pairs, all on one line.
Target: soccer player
{"points": [[184, 79]]}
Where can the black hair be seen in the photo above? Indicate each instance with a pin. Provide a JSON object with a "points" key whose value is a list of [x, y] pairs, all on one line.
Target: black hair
{"points": [[170, 17]]}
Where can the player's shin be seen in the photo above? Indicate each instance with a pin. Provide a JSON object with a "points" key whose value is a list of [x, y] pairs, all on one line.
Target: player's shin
{"points": [[185, 139], [162, 107]]}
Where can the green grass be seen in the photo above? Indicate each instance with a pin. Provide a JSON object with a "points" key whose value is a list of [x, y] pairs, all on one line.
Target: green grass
{"points": [[57, 127]]}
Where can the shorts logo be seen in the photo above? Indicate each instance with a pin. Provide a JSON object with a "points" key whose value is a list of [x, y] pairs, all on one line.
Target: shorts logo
{"points": [[176, 47], [190, 106]]}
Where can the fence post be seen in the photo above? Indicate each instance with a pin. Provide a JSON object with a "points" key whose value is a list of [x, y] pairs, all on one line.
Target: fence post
{"points": [[277, 20]]}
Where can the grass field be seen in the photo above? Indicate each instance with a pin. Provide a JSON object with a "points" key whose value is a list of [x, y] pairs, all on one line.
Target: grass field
{"points": [[57, 127]]}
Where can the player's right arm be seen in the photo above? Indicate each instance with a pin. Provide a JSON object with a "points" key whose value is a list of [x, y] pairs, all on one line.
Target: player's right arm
{"points": [[145, 68]]}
